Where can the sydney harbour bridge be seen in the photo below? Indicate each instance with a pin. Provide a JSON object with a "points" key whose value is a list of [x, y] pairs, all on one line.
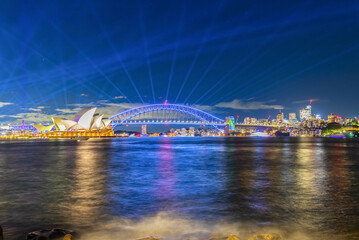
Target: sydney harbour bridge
{"points": [[165, 114], [173, 114]]}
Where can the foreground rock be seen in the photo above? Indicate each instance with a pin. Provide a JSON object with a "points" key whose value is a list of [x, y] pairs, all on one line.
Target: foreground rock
{"points": [[53, 234], [266, 237], [232, 237]]}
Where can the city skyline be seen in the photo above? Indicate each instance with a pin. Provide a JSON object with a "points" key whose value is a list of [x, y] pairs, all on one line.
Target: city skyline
{"points": [[226, 58]]}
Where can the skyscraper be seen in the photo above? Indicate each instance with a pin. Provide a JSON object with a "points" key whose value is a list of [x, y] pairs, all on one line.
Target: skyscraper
{"points": [[280, 117], [305, 113], [292, 117]]}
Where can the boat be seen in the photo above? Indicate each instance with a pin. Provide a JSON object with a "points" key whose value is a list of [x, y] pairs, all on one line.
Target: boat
{"points": [[260, 134]]}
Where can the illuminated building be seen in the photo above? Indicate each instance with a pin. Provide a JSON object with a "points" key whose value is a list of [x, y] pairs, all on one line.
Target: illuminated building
{"points": [[183, 132], [247, 120], [347, 120], [292, 117], [333, 118], [230, 127], [280, 117], [42, 128], [230, 123], [253, 120], [85, 120], [59, 124], [262, 122], [191, 131], [356, 120], [305, 113], [144, 129]]}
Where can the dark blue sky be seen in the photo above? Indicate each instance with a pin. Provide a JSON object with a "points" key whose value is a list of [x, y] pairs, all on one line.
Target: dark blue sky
{"points": [[227, 57]]}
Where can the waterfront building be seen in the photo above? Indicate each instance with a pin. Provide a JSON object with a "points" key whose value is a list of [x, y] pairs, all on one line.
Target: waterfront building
{"points": [[305, 113], [254, 121], [59, 124], [42, 128], [346, 121], [292, 117], [356, 120], [85, 120], [247, 120], [280, 117], [333, 118], [312, 117], [191, 131], [144, 129], [183, 132], [263, 122]]}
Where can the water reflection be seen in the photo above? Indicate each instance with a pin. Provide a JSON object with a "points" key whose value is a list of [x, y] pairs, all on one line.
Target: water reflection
{"points": [[287, 184], [88, 186], [166, 171]]}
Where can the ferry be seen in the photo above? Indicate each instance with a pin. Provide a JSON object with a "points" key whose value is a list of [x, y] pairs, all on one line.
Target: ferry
{"points": [[260, 134]]}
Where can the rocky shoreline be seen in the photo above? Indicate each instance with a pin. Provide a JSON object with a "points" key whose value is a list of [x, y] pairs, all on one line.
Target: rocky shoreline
{"points": [[62, 234]]}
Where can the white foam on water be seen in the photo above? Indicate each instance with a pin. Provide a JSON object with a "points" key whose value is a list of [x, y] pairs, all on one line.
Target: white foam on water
{"points": [[172, 227]]}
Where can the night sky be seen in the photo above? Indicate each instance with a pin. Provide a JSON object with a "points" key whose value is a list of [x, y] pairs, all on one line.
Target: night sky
{"points": [[247, 58]]}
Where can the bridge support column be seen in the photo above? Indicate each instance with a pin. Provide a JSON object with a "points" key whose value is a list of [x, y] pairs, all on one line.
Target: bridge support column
{"points": [[144, 129], [230, 127], [226, 130]]}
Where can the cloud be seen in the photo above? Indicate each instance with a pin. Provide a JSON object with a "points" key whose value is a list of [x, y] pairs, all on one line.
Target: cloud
{"points": [[109, 109], [305, 101], [83, 95], [203, 107], [242, 105], [81, 105], [2, 104], [38, 109], [31, 117], [67, 111], [35, 109], [119, 97]]}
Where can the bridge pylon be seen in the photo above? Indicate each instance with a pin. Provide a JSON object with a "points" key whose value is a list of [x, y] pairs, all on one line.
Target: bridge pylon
{"points": [[230, 127], [144, 129]]}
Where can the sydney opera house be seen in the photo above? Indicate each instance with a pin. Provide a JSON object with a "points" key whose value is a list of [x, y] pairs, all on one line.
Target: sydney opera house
{"points": [[85, 120], [85, 123]]}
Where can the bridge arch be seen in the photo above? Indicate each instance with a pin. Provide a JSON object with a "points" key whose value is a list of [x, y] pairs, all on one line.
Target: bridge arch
{"points": [[203, 116]]}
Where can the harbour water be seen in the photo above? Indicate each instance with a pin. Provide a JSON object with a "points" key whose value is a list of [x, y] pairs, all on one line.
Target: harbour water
{"points": [[182, 188]]}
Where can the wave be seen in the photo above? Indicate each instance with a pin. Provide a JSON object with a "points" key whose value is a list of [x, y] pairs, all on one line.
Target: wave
{"points": [[169, 226]]}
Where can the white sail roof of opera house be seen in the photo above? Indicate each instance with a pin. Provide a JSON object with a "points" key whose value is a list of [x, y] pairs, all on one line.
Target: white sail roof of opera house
{"points": [[85, 119], [96, 123], [59, 125]]}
